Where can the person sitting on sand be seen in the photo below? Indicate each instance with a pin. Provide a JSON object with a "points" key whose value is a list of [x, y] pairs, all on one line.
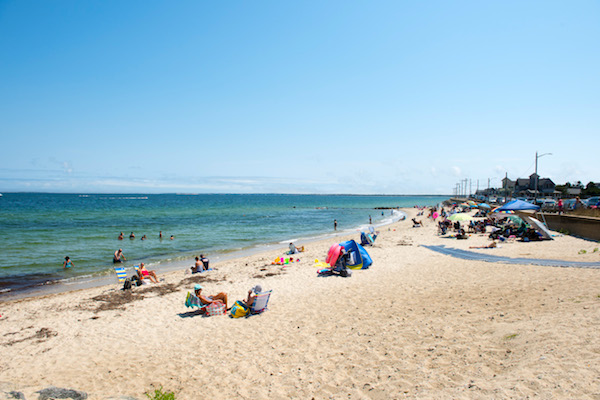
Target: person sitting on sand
{"points": [[489, 246], [416, 223], [250, 299], [68, 263], [198, 266], [222, 297], [205, 261], [143, 273], [294, 249], [119, 257], [462, 234]]}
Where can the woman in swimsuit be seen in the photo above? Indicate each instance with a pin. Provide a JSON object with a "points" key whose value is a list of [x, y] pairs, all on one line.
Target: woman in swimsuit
{"points": [[222, 297], [68, 263], [144, 273]]}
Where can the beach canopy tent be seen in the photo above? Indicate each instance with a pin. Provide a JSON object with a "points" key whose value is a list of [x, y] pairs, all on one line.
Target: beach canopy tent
{"points": [[358, 256], [517, 205]]}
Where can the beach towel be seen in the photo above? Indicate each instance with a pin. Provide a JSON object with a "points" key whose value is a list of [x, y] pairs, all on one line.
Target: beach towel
{"points": [[193, 301]]}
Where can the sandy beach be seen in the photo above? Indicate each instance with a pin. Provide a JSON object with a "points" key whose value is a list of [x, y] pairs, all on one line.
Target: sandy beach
{"points": [[416, 325]]}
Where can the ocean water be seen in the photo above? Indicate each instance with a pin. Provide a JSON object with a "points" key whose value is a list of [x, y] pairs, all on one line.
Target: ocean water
{"points": [[37, 230]]}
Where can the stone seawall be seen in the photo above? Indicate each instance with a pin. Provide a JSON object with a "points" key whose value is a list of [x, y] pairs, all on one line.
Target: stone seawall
{"points": [[585, 227]]}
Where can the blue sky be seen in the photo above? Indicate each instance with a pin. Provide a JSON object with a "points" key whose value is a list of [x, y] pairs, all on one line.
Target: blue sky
{"points": [[345, 96]]}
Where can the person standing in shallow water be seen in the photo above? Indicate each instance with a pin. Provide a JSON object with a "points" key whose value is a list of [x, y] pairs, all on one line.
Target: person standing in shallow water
{"points": [[68, 263], [335, 224], [119, 257]]}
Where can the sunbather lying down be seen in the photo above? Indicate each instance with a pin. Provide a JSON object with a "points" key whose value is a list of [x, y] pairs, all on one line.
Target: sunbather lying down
{"points": [[222, 297], [489, 246]]}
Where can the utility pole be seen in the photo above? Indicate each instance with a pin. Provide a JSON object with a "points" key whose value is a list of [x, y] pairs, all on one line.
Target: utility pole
{"points": [[536, 174]]}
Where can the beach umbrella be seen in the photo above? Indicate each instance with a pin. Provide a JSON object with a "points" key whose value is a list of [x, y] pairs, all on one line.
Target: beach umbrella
{"points": [[460, 217], [484, 205]]}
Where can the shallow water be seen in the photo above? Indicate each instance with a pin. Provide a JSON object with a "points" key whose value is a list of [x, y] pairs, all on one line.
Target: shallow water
{"points": [[38, 230]]}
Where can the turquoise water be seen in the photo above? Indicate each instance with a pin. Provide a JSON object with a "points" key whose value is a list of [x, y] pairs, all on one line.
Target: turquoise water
{"points": [[38, 230]]}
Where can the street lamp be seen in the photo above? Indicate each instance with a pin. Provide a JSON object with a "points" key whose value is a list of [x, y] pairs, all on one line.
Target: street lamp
{"points": [[536, 174]]}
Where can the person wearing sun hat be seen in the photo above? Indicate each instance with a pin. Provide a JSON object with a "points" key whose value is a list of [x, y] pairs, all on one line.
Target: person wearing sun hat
{"points": [[222, 297], [250, 299]]}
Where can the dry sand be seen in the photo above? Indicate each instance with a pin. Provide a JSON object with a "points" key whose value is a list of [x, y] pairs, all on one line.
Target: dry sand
{"points": [[417, 324]]}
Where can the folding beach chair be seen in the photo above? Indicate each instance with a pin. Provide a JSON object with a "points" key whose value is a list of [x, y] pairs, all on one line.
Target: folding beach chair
{"points": [[121, 274], [137, 272], [192, 301], [260, 302]]}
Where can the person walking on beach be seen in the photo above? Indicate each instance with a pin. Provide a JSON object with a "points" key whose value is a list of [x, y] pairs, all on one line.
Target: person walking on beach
{"points": [[335, 224], [68, 263], [119, 257]]}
